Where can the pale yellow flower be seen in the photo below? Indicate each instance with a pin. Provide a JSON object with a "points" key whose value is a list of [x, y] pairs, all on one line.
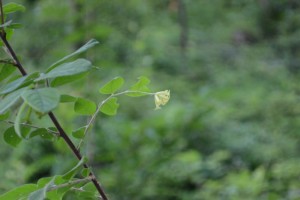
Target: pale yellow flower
{"points": [[161, 98]]}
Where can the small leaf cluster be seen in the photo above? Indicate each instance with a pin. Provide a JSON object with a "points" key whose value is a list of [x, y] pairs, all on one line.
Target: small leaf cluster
{"points": [[38, 93]]}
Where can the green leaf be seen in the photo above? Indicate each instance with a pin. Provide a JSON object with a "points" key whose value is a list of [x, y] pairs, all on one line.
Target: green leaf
{"points": [[67, 69], [79, 133], [18, 83], [82, 49], [74, 170], [67, 79], [17, 124], [4, 116], [112, 86], [53, 128], [45, 186], [56, 194], [6, 71], [65, 98], [85, 172], [42, 100], [10, 100], [84, 106], [38, 195], [12, 7], [42, 182], [9, 33], [15, 26], [140, 86], [89, 192], [41, 193], [59, 193], [12, 85], [110, 107], [19, 193], [42, 132], [10, 137]]}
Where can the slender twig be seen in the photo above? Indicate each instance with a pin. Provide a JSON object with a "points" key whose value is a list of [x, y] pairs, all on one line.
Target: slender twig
{"points": [[70, 183], [13, 54], [61, 131], [91, 121], [33, 126], [2, 18], [7, 62], [77, 189]]}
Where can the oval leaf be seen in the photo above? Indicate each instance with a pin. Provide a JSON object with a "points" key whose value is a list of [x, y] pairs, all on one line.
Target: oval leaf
{"points": [[82, 49], [85, 172], [12, 7], [79, 133], [42, 100], [42, 132], [67, 79], [89, 192], [18, 83], [10, 100], [15, 25], [68, 69], [140, 86], [21, 192], [12, 85], [84, 106], [17, 124], [41, 193], [6, 70], [10, 137], [65, 98], [74, 170], [112, 86], [110, 107]]}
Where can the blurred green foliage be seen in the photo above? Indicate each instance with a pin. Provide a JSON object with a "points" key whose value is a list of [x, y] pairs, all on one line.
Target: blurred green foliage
{"points": [[231, 129]]}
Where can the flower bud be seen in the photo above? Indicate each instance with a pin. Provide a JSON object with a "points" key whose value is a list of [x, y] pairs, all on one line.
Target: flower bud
{"points": [[161, 98]]}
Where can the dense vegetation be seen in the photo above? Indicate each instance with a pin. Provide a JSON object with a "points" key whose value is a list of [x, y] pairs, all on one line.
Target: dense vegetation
{"points": [[231, 128]]}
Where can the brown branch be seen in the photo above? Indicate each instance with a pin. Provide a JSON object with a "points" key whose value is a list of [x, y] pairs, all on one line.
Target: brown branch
{"points": [[2, 18], [13, 54], [61, 131]]}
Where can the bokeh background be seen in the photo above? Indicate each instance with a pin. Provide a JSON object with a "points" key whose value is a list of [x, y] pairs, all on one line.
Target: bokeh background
{"points": [[231, 128]]}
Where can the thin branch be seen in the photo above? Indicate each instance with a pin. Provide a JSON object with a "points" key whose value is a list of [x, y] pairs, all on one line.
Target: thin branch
{"points": [[77, 189], [33, 126], [13, 55], [2, 18], [91, 121], [61, 131], [8, 62], [71, 183]]}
